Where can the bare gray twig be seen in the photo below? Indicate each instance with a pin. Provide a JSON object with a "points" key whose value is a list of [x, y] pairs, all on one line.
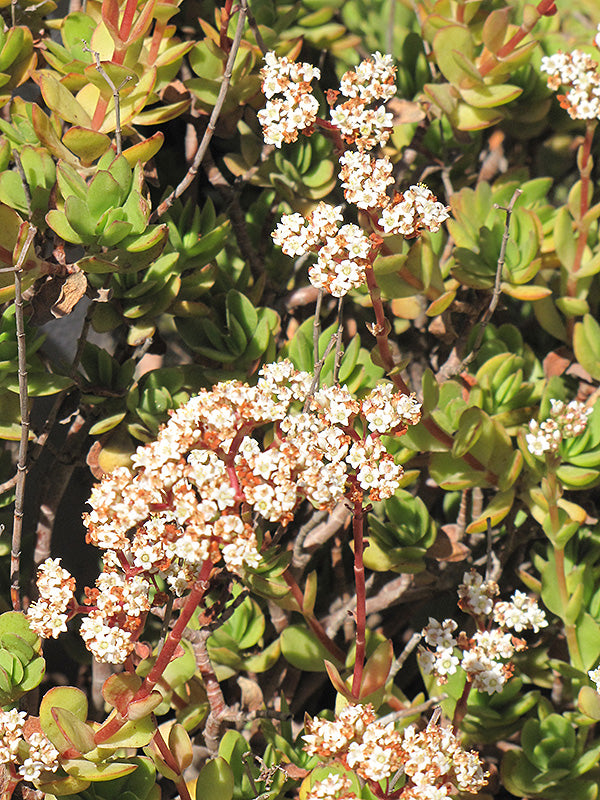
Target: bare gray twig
{"points": [[317, 326], [495, 292], [115, 91], [254, 28], [15, 551], [409, 647], [335, 340], [339, 350], [212, 122]]}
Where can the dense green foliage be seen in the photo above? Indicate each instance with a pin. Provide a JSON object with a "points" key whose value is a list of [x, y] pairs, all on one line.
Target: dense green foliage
{"points": [[134, 296]]}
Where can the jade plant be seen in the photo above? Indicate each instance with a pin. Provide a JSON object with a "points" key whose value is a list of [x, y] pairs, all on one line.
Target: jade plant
{"points": [[335, 361]]}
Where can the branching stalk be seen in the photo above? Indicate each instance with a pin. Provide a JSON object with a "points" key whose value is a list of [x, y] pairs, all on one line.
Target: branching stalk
{"points": [[115, 91], [15, 551], [166, 654]]}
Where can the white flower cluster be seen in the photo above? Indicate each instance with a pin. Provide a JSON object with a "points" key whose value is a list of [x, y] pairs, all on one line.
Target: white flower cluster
{"points": [[341, 261], [365, 179], [47, 617], [31, 750], [343, 252], [374, 79], [412, 211], [333, 787], [564, 422], [43, 757], [594, 674], [283, 117], [521, 614], [190, 495], [432, 760], [360, 125], [11, 733], [483, 655], [578, 72], [298, 235]]}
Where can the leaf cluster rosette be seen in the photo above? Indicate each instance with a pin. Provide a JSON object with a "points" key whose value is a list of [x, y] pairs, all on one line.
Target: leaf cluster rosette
{"points": [[553, 759], [484, 58], [22, 665], [109, 216]]}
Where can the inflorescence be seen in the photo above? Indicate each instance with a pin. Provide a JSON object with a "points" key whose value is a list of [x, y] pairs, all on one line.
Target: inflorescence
{"points": [[430, 763], [192, 493], [565, 422], [21, 743], [344, 252], [484, 655], [579, 72]]}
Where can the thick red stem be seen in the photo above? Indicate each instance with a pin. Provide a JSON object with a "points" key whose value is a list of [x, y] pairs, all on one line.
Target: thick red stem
{"points": [[460, 709], [545, 8], [166, 654], [127, 21], [169, 760]]}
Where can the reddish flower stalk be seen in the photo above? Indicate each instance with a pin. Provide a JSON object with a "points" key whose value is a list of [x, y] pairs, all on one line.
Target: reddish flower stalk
{"points": [[171, 763], [545, 8], [585, 168], [460, 709], [361, 593], [166, 654], [312, 621], [381, 331], [333, 132]]}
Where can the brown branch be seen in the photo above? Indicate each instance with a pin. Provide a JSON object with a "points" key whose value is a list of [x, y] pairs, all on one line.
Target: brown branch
{"points": [[212, 122], [321, 527], [236, 215], [409, 647], [334, 341], [219, 710], [496, 291], [254, 28], [15, 551], [55, 484]]}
